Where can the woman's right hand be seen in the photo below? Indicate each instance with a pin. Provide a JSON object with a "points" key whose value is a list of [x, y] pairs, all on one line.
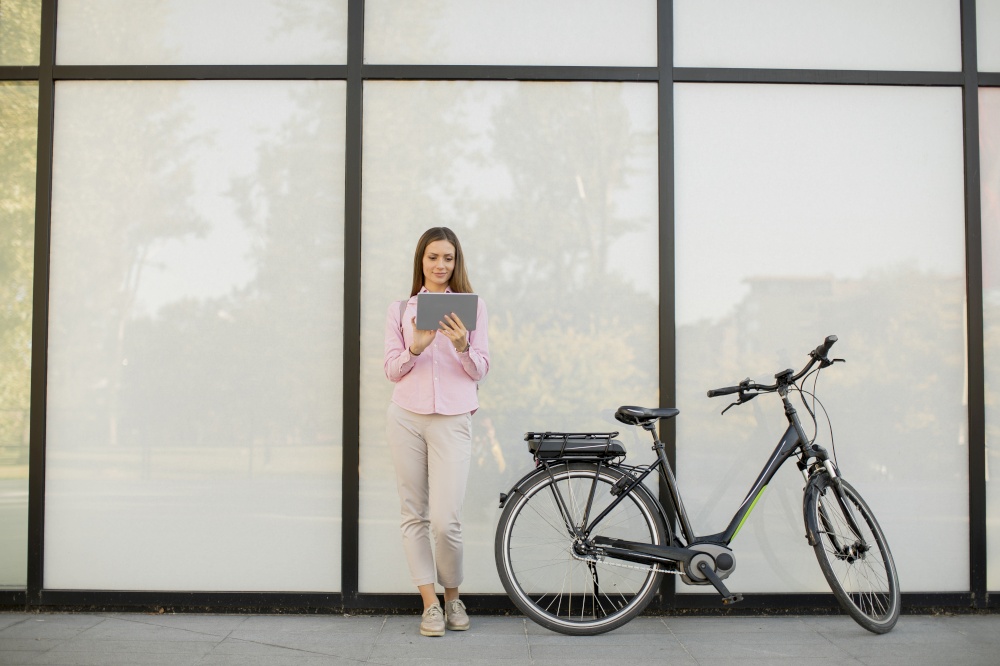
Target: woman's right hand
{"points": [[421, 339]]}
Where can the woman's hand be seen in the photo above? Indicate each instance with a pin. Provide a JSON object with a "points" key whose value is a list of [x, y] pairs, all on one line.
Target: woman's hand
{"points": [[421, 339], [453, 329]]}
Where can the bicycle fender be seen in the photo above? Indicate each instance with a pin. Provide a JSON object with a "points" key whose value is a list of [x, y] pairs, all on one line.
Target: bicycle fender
{"points": [[811, 488], [516, 488]]}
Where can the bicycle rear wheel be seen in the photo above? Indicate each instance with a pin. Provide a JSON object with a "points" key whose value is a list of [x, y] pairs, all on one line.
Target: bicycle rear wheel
{"points": [[551, 582], [857, 565]]}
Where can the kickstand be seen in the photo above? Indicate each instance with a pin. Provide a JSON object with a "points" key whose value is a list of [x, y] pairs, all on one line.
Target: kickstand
{"points": [[727, 596]]}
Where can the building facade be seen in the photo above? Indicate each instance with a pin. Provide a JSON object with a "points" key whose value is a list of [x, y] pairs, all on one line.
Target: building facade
{"points": [[208, 208]]}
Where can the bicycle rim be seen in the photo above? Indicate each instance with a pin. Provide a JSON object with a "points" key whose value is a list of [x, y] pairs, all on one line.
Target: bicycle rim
{"points": [[858, 567], [544, 577]]}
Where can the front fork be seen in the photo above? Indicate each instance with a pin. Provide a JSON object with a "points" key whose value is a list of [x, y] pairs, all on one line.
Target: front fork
{"points": [[815, 460]]}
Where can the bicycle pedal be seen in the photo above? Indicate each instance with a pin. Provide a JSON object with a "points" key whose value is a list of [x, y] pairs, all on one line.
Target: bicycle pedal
{"points": [[732, 599]]}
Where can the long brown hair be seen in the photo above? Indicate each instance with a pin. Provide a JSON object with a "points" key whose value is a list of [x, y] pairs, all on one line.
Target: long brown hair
{"points": [[459, 282]]}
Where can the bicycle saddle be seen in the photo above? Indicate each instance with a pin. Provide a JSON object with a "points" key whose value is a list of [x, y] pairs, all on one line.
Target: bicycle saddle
{"points": [[639, 415]]}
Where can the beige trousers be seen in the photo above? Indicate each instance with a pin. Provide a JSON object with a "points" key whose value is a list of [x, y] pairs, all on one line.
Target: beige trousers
{"points": [[431, 453]]}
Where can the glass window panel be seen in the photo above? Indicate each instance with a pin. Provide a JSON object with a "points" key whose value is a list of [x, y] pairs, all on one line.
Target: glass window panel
{"points": [[804, 211], [18, 131], [195, 336], [515, 32], [988, 34], [919, 35], [552, 189], [196, 32], [20, 30], [989, 160]]}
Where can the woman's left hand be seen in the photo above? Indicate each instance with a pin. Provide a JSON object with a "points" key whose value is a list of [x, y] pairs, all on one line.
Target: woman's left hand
{"points": [[453, 328]]}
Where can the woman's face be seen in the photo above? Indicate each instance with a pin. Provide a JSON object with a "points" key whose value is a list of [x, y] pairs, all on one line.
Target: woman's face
{"points": [[439, 264]]}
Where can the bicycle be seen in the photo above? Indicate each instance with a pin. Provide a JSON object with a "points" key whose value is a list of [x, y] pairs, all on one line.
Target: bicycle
{"points": [[582, 544]]}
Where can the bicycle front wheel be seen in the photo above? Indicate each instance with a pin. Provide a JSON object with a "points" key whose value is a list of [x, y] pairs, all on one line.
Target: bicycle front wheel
{"points": [[540, 563], [856, 562]]}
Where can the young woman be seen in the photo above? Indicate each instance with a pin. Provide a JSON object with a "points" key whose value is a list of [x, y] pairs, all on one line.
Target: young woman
{"points": [[429, 425]]}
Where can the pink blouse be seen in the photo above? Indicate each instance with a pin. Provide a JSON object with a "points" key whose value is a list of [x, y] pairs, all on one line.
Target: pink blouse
{"points": [[439, 380]]}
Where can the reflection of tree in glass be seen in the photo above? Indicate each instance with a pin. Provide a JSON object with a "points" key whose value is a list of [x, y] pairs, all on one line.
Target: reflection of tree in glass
{"points": [[564, 326], [18, 118], [329, 19], [290, 207], [897, 406], [20, 27], [120, 202]]}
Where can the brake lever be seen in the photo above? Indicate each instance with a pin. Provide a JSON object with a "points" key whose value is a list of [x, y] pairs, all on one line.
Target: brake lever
{"points": [[744, 398]]}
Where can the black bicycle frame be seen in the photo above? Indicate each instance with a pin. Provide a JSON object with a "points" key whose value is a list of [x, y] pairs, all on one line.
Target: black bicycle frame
{"points": [[793, 439]]}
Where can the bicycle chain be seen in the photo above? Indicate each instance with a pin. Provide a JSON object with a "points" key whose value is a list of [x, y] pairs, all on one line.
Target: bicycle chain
{"points": [[627, 566]]}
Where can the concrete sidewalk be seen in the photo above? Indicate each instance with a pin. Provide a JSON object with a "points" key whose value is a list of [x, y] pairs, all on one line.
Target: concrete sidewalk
{"points": [[307, 640]]}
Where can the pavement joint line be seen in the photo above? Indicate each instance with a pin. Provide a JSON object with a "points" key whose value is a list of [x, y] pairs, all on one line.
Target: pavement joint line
{"points": [[285, 647], [153, 624], [677, 638], [527, 639], [371, 650]]}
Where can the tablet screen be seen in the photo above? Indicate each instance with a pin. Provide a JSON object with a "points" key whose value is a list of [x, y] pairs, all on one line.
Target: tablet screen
{"points": [[431, 309]]}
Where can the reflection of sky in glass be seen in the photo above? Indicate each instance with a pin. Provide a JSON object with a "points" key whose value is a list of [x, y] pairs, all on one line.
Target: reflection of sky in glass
{"points": [[989, 160], [513, 32], [804, 211], [196, 32], [552, 189], [219, 261], [988, 36], [847, 34], [788, 181]]}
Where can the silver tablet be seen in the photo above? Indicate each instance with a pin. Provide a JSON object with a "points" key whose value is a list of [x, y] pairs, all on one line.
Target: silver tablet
{"points": [[431, 309]]}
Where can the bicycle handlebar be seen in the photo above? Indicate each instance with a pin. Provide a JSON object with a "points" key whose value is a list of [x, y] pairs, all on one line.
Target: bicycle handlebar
{"points": [[817, 355], [712, 393]]}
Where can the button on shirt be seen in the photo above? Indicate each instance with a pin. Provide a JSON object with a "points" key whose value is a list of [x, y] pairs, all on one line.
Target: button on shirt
{"points": [[439, 380]]}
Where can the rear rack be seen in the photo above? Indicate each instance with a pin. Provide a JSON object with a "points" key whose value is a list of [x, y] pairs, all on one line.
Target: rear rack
{"points": [[577, 445]]}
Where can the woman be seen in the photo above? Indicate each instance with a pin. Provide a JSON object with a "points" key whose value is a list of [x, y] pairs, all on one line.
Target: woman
{"points": [[429, 425]]}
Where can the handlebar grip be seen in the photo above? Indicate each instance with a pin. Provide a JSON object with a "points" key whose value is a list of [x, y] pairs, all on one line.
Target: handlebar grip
{"points": [[824, 348], [712, 393]]}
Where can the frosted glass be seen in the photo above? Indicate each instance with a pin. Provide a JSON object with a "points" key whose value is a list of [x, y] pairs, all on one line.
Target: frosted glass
{"points": [[202, 32], [20, 30], [18, 122], [989, 161], [552, 190], [195, 337], [805, 211], [514, 32], [988, 34], [921, 35]]}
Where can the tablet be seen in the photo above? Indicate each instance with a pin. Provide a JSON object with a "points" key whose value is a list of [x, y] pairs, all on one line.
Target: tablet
{"points": [[431, 309]]}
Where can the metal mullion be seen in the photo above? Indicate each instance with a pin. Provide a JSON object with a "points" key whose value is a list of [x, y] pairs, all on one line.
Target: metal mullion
{"points": [[974, 310], [815, 76], [989, 79], [40, 306], [351, 444], [507, 73], [667, 264], [18, 73], [197, 72]]}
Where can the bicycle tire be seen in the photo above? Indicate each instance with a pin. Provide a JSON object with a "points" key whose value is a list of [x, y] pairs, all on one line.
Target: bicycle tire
{"points": [[860, 571], [537, 565]]}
